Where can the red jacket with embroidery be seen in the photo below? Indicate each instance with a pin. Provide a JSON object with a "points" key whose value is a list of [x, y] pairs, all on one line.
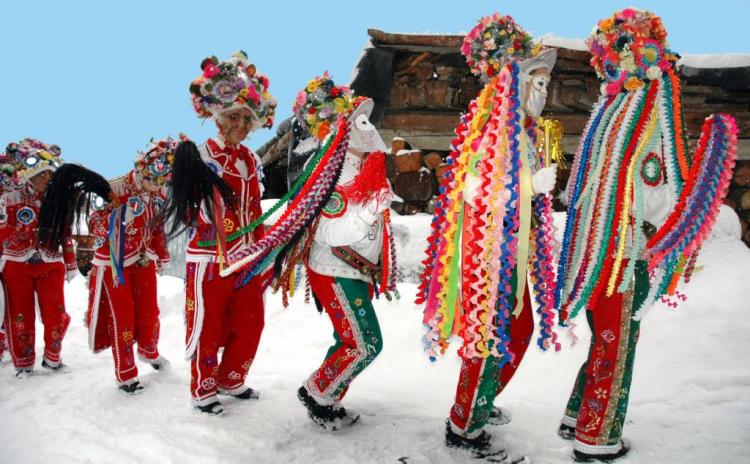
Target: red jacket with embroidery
{"points": [[19, 213], [142, 237], [241, 170]]}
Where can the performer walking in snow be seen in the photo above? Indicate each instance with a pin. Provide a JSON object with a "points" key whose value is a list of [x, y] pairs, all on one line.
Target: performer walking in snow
{"points": [[349, 250], [7, 183], [130, 247], [29, 270], [216, 191], [491, 226], [638, 205]]}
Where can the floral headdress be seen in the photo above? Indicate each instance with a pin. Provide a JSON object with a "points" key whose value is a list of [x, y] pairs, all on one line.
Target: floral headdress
{"points": [[629, 48], [494, 42], [30, 157], [7, 180], [319, 104], [231, 84], [155, 164]]}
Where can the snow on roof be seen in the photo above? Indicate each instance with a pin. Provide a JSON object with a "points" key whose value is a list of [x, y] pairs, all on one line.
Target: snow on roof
{"points": [[563, 42], [715, 60]]}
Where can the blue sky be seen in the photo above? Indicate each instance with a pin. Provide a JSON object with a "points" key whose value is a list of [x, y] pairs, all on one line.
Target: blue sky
{"points": [[101, 78]]}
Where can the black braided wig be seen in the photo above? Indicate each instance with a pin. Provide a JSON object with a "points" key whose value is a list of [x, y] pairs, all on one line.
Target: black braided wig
{"points": [[69, 195]]}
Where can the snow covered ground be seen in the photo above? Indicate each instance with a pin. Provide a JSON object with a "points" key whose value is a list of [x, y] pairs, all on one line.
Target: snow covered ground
{"points": [[688, 404]]}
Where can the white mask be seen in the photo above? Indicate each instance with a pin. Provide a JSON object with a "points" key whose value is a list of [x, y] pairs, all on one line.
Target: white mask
{"points": [[364, 136], [537, 96]]}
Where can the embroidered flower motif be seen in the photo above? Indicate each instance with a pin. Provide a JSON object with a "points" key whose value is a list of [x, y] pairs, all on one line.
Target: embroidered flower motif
{"points": [[600, 393], [608, 336], [208, 383], [127, 336], [234, 375], [595, 405]]}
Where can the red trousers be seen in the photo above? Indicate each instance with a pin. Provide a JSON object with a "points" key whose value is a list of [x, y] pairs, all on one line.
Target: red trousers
{"points": [[22, 281], [480, 381], [133, 317], [218, 314]]}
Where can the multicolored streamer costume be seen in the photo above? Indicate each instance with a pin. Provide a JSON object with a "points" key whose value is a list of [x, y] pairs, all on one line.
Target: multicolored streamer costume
{"points": [[632, 167], [490, 228]]}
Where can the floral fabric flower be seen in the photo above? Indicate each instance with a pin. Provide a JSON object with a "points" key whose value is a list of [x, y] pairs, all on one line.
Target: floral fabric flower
{"points": [[630, 48]]}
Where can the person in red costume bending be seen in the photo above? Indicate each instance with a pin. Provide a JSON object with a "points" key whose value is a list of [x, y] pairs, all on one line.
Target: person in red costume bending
{"points": [[28, 268]]}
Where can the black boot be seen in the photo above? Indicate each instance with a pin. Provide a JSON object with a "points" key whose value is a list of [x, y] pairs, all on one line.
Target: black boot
{"points": [[579, 456], [499, 416], [566, 432], [132, 388], [247, 394], [321, 414], [480, 447], [23, 373], [60, 367], [346, 417], [214, 409]]}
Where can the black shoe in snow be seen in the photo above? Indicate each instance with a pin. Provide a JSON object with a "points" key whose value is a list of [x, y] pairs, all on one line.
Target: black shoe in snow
{"points": [[579, 456], [321, 414], [158, 363], [132, 388], [23, 373], [480, 447], [59, 367], [246, 394], [499, 416], [566, 432], [214, 409], [346, 418]]}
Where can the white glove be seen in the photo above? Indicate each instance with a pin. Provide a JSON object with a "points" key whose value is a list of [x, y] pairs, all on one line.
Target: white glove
{"points": [[471, 189], [374, 208], [657, 204], [544, 180], [70, 274]]}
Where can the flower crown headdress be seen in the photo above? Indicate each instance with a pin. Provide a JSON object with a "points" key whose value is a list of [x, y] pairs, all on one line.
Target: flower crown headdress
{"points": [[320, 103], [231, 84], [30, 157], [629, 48], [494, 42]]}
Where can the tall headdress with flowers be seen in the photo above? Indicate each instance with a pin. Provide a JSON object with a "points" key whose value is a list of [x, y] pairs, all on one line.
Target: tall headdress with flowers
{"points": [[7, 171], [155, 163], [231, 84], [30, 157], [319, 104], [636, 138], [495, 239]]}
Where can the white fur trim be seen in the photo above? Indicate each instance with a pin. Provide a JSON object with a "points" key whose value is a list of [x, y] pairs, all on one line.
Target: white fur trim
{"points": [[198, 312], [94, 308], [597, 449], [569, 421], [233, 391], [2, 307], [205, 401]]}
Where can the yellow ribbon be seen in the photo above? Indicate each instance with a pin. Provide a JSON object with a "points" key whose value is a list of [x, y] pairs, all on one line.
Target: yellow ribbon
{"points": [[643, 143], [524, 232]]}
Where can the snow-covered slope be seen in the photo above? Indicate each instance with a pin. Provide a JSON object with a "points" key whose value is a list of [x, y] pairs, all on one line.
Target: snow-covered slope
{"points": [[688, 404]]}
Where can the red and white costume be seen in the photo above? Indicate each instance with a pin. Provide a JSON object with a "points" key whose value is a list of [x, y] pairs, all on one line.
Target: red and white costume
{"points": [[217, 313], [26, 270], [124, 313]]}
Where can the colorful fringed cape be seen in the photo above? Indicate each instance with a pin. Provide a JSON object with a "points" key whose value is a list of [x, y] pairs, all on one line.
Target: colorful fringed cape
{"points": [[475, 301], [604, 234]]}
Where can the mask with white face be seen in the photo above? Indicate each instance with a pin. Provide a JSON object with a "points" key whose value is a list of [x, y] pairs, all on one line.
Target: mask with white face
{"points": [[537, 95], [363, 136]]}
